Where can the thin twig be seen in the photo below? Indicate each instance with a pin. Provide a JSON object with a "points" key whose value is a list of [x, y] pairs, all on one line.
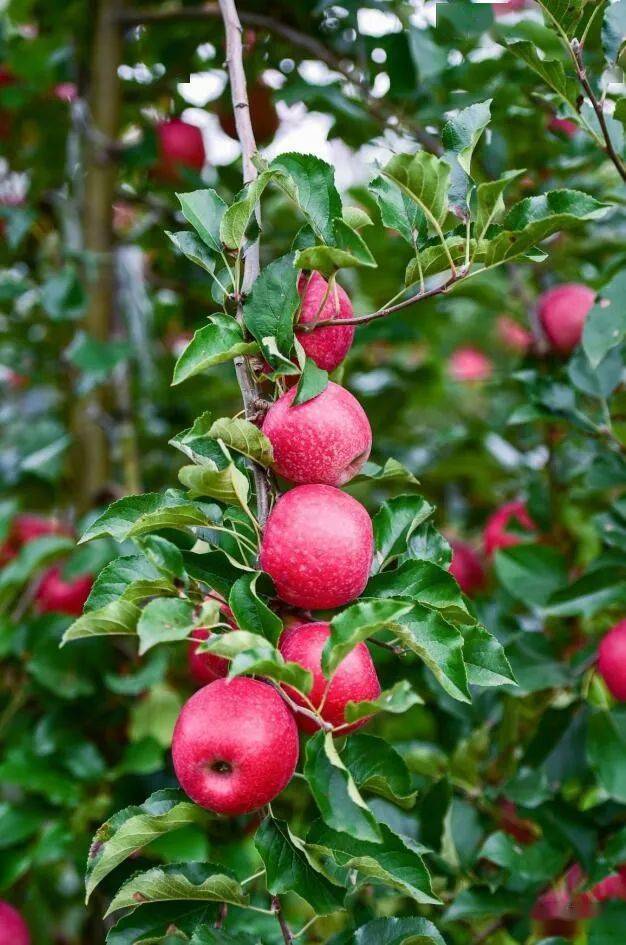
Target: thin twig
{"points": [[581, 72], [239, 94], [284, 928], [377, 107], [295, 707]]}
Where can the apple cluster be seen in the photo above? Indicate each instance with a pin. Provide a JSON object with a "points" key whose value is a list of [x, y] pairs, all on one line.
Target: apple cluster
{"points": [[235, 745]]}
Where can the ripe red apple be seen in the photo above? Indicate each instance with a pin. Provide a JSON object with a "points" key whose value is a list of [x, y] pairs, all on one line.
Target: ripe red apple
{"points": [[562, 312], [513, 335], [235, 745], [180, 146], [466, 567], [262, 115], [327, 439], [611, 887], [317, 547], [54, 595], [326, 346], [469, 364], [13, 929], [612, 660], [204, 667], [563, 126], [508, 6], [560, 908], [27, 528], [354, 680], [496, 534]]}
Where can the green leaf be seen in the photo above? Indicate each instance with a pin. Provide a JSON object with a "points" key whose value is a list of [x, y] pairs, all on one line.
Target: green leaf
{"points": [[31, 559], [138, 514], [426, 179], [564, 13], [480, 902], [131, 577], [536, 863], [391, 472], [291, 868], [439, 645], [378, 768], [221, 340], [194, 249], [485, 660], [398, 211], [590, 594], [531, 573], [396, 700], [357, 623], [228, 485], [155, 716], [395, 862], [460, 136], [605, 928], [552, 71], [394, 524], [179, 881], [131, 829], [605, 325], [119, 617], [161, 923], [213, 568], [245, 438], [425, 583], [250, 612], [313, 381], [204, 209], [311, 183], [356, 218], [606, 750], [409, 931], [270, 308], [335, 792], [490, 203], [169, 619], [252, 654]]}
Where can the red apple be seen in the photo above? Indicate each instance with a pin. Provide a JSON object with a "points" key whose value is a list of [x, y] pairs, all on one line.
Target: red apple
{"points": [[13, 929], [563, 126], [262, 115], [611, 887], [496, 534], [354, 680], [562, 311], [524, 831], [180, 146], [204, 667], [508, 6], [560, 907], [513, 336], [235, 745], [326, 346], [466, 567], [612, 660], [327, 439], [54, 595], [469, 364], [317, 547], [27, 528]]}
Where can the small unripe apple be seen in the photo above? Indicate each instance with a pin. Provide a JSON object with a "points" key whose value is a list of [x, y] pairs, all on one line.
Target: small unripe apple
{"points": [[317, 547], [354, 680], [180, 146], [235, 745], [612, 660], [327, 439], [513, 335], [55, 595], [469, 364], [497, 534], [327, 346], [466, 568], [562, 312], [13, 929], [262, 115]]}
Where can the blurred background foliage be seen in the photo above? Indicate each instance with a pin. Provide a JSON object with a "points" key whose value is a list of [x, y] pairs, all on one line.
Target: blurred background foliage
{"points": [[95, 305]]}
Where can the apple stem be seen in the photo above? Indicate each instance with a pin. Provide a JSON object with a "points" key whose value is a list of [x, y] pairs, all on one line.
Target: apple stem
{"points": [[284, 928], [322, 723]]}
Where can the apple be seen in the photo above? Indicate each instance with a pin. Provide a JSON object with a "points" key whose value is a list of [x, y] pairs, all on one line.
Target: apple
{"points": [[13, 929], [524, 831], [562, 312], [55, 595], [496, 534], [513, 335], [508, 6], [563, 126], [469, 364], [560, 908], [326, 346], [235, 745], [27, 528], [327, 439], [317, 547], [204, 667], [354, 680], [611, 887], [180, 145], [466, 567], [612, 660], [262, 115]]}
